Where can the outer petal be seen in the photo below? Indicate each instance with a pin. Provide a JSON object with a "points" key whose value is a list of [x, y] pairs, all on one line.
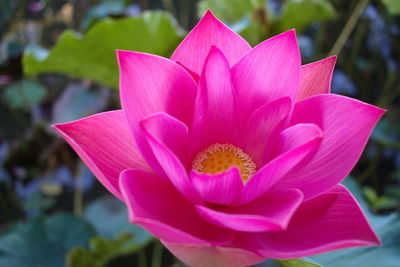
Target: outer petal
{"points": [[154, 203], [271, 212], [150, 84], [213, 256], [163, 139], [221, 188], [316, 77], [330, 221], [271, 70], [259, 135], [346, 124], [211, 123], [193, 50], [105, 144], [292, 154]]}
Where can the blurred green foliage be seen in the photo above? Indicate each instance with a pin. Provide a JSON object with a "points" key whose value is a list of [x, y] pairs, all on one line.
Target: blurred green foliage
{"points": [[24, 94], [69, 71], [393, 6], [92, 56], [43, 241], [256, 21], [298, 263], [299, 14], [117, 236], [100, 252]]}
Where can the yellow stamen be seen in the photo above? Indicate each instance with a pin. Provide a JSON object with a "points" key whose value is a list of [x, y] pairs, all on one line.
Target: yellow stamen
{"points": [[220, 157]]}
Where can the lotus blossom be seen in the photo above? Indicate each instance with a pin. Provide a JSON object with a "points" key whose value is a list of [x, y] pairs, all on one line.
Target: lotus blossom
{"points": [[231, 154]]}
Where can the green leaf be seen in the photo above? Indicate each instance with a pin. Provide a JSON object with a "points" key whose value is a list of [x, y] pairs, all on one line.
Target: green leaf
{"points": [[304, 262], [378, 202], [117, 236], [24, 94], [43, 241], [229, 11], [393, 6], [92, 56], [299, 14], [101, 251], [370, 194]]}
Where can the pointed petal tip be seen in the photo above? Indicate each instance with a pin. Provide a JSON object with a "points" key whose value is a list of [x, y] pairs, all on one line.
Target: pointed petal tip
{"points": [[108, 158], [215, 49], [330, 60], [55, 126], [374, 239], [60, 127], [193, 50], [209, 16], [290, 35], [334, 57], [378, 111], [120, 52], [209, 13], [286, 100], [117, 51], [376, 242], [215, 53]]}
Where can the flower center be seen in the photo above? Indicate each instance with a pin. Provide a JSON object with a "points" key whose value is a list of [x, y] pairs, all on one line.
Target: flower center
{"points": [[219, 157]]}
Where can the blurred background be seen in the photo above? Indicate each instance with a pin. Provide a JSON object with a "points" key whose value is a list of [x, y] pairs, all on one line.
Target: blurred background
{"points": [[57, 64]]}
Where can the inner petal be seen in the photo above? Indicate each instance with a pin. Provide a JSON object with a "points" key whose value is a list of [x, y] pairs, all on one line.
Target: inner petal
{"points": [[218, 158]]}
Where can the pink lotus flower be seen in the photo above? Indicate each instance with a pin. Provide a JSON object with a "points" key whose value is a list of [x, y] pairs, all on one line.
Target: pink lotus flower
{"points": [[231, 154]]}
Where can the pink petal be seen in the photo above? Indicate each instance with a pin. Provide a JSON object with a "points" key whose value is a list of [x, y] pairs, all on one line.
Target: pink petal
{"points": [[259, 135], [274, 170], [195, 76], [150, 84], [271, 212], [213, 256], [193, 50], [154, 203], [316, 77], [170, 131], [105, 144], [295, 135], [346, 124], [270, 71], [330, 221], [221, 188], [215, 91]]}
